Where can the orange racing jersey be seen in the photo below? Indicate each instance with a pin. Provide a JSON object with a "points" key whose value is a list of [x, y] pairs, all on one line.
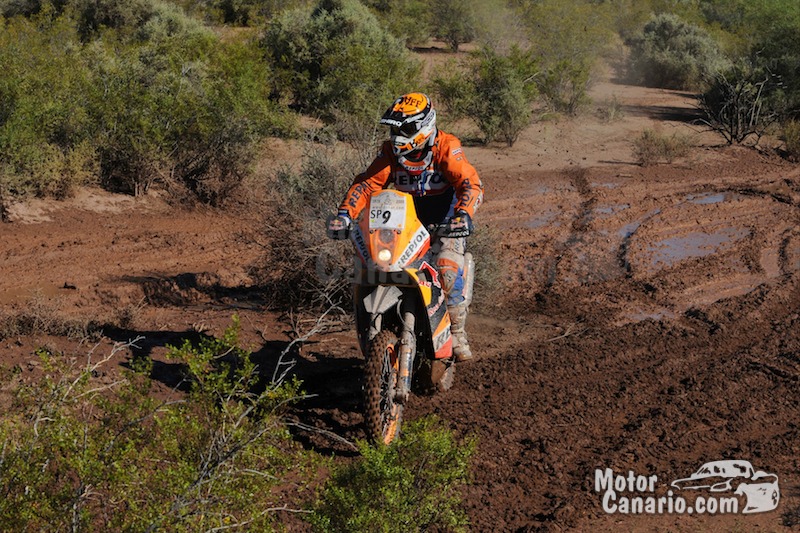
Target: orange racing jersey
{"points": [[449, 183]]}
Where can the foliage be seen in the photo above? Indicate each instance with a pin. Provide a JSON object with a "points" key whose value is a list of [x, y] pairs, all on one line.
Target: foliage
{"points": [[412, 485], [246, 12], [496, 92], [568, 38], [791, 136], [45, 131], [302, 267], [156, 98], [674, 54], [81, 452], [743, 102], [651, 147], [409, 20], [455, 21], [337, 57], [181, 108]]}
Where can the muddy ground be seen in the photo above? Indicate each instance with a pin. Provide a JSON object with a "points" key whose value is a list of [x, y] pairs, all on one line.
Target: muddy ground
{"points": [[648, 319]]}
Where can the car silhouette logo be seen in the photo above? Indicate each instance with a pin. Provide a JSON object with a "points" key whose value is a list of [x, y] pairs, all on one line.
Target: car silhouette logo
{"points": [[759, 488]]}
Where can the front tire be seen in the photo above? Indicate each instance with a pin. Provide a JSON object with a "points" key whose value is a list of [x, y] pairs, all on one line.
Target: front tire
{"points": [[382, 414]]}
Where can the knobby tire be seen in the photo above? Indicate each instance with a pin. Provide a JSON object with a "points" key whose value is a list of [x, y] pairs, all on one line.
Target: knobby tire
{"points": [[382, 415]]}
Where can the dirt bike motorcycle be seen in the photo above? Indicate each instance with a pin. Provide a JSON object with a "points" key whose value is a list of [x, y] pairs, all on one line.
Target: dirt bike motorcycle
{"points": [[401, 316]]}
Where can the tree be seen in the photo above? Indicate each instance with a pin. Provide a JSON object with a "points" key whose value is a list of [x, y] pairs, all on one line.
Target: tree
{"points": [[455, 21]]}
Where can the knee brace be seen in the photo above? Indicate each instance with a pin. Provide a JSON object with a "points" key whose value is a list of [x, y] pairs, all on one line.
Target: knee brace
{"points": [[451, 270]]}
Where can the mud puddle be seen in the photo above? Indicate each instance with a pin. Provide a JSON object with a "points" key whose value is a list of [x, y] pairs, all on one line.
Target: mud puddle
{"points": [[669, 251]]}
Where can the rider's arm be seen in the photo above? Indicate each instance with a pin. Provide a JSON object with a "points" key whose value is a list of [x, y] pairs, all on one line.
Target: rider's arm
{"points": [[368, 182], [461, 174]]}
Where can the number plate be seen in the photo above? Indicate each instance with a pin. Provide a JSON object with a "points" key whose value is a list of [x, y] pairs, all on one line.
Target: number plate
{"points": [[387, 211]]}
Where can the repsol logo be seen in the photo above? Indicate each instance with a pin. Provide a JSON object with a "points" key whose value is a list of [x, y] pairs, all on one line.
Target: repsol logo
{"points": [[413, 246], [361, 246], [430, 180], [441, 339]]}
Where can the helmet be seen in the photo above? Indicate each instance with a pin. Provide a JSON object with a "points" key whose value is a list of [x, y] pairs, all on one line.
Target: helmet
{"points": [[412, 122]]}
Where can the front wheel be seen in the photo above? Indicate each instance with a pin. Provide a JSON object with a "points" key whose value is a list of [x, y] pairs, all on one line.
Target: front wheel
{"points": [[382, 414]]}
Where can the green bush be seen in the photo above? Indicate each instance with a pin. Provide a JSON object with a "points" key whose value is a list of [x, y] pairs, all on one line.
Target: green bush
{"points": [[674, 54], [335, 57], [568, 37], [409, 20], [247, 12], [412, 485], [494, 90], [45, 131], [179, 107], [130, 94], [564, 85], [82, 452], [455, 21], [791, 137]]}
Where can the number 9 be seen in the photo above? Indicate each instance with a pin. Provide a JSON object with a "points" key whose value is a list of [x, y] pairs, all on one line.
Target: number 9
{"points": [[386, 216]]}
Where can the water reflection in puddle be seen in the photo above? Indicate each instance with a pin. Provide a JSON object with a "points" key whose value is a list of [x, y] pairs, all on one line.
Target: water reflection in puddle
{"points": [[696, 244], [713, 198]]}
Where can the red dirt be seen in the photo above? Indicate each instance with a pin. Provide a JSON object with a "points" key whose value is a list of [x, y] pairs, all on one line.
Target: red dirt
{"points": [[653, 318]]}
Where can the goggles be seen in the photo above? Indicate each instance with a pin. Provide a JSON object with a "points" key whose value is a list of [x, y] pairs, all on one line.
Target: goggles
{"points": [[406, 130]]}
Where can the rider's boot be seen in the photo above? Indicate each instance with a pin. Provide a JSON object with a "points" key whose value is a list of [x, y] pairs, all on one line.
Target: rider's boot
{"points": [[458, 319]]}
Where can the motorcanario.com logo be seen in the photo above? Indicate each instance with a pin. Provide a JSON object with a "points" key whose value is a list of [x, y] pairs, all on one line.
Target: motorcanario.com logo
{"points": [[718, 487]]}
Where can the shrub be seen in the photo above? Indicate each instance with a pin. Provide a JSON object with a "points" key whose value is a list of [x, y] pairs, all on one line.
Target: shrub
{"points": [[181, 108], [45, 129], [567, 37], [485, 247], [337, 57], [564, 86], [674, 54], [301, 266], [409, 20], [610, 110], [496, 92], [157, 98], [412, 485], [246, 12], [791, 137], [455, 21], [82, 452], [651, 147], [743, 102]]}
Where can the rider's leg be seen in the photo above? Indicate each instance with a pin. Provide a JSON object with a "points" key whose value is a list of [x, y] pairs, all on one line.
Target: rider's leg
{"points": [[450, 263]]}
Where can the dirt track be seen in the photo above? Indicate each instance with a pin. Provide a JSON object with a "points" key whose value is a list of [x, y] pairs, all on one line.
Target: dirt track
{"points": [[653, 322]]}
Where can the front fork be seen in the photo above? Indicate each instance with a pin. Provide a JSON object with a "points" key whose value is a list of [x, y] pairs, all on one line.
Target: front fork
{"points": [[408, 348], [407, 345]]}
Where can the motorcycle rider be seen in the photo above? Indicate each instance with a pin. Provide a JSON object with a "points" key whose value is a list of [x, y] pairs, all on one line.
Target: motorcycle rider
{"points": [[430, 164]]}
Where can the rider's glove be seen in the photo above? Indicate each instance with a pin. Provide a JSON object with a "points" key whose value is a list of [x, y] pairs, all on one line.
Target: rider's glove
{"points": [[338, 226], [459, 225]]}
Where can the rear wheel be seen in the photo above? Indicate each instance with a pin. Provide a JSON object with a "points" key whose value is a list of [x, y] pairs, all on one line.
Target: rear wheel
{"points": [[383, 415]]}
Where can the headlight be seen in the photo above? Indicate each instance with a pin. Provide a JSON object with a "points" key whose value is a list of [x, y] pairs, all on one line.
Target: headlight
{"points": [[385, 256]]}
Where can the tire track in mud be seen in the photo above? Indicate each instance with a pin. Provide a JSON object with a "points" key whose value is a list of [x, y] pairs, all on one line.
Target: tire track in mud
{"points": [[578, 227], [661, 396], [716, 381]]}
